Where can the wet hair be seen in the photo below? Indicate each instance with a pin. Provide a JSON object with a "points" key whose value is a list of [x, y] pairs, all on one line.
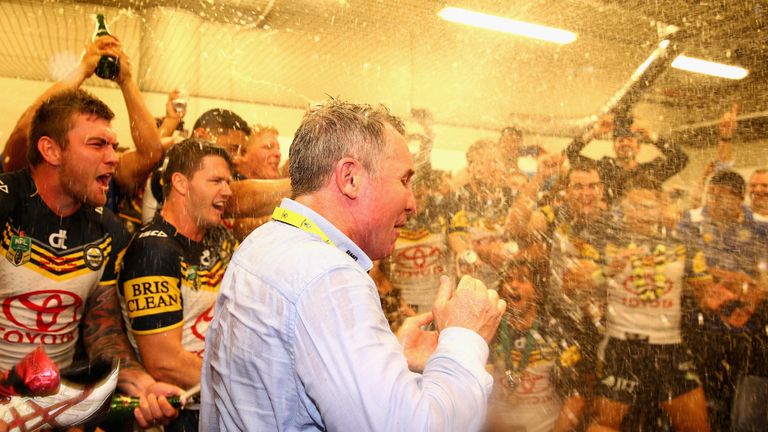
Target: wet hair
{"points": [[217, 121], [730, 179], [333, 131], [186, 158], [55, 116], [259, 129]]}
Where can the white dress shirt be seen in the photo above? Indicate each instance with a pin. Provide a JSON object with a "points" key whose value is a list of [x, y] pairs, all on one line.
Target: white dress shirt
{"points": [[299, 343]]}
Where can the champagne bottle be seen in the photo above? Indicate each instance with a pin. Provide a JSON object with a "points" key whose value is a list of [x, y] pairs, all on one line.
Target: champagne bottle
{"points": [[121, 406], [108, 66]]}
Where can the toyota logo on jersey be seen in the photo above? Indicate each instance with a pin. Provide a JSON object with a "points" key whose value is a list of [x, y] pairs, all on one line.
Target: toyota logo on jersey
{"points": [[419, 260], [48, 311]]}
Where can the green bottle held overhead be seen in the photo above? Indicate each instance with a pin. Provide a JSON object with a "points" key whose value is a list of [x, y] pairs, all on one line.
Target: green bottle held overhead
{"points": [[108, 66]]}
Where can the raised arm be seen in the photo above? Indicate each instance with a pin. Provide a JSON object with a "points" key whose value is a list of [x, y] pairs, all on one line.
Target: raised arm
{"points": [[727, 129], [522, 208], [599, 129], [676, 159], [255, 198], [172, 117], [135, 165], [424, 118], [15, 152]]}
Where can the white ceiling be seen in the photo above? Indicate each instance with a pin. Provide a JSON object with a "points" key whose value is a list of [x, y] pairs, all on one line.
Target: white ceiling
{"points": [[291, 53]]}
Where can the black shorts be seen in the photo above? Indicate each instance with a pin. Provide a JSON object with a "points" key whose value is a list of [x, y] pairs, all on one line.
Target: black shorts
{"points": [[634, 370]]}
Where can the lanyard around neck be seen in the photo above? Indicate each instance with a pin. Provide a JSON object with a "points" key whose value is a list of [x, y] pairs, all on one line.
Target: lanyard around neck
{"points": [[301, 222]]}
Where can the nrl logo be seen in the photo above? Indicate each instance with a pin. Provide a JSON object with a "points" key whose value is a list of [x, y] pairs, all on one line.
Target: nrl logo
{"points": [[19, 250]]}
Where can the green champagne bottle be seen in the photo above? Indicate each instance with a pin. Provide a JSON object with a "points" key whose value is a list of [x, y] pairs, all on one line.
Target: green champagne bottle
{"points": [[121, 409], [108, 66]]}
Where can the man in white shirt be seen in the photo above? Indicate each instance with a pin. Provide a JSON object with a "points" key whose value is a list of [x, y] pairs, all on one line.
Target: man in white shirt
{"points": [[299, 341]]}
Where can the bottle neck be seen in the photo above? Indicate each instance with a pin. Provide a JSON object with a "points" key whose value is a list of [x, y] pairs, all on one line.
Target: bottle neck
{"points": [[101, 26]]}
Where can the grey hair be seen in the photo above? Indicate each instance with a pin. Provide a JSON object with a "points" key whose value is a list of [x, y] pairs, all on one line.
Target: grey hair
{"points": [[333, 131]]}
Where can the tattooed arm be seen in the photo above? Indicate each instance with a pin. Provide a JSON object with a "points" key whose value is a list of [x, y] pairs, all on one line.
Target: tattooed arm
{"points": [[104, 339]]}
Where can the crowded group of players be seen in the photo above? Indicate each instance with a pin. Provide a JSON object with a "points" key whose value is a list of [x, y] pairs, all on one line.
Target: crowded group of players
{"points": [[625, 307]]}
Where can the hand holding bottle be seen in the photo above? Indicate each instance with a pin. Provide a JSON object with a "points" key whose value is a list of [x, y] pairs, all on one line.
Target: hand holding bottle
{"points": [[125, 74], [94, 50]]}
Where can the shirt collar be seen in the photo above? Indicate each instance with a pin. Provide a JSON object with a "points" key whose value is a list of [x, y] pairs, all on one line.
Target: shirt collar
{"points": [[342, 242]]}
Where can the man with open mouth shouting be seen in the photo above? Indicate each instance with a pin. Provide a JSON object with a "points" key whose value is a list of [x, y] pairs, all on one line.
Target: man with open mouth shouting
{"points": [[62, 249]]}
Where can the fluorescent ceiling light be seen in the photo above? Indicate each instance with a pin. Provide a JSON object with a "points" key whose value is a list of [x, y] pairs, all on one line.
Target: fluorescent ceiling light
{"points": [[520, 28], [709, 68]]}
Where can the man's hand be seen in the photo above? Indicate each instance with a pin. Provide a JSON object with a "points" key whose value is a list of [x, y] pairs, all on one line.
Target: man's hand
{"points": [[154, 408], [170, 110], [91, 55], [126, 66], [94, 49], [471, 306], [417, 343]]}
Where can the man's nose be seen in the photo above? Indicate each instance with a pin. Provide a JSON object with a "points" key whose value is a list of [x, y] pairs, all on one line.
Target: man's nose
{"points": [[410, 204]]}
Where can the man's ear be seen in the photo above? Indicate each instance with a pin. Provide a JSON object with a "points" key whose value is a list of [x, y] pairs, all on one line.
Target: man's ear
{"points": [[50, 150], [180, 183], [348, 176]]}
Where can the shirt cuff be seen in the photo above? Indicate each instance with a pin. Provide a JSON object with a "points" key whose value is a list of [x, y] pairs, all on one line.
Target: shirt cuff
{"points": [[469, 349]]}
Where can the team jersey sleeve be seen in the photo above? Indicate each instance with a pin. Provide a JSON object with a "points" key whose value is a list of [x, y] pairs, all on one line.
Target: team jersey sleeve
{"points": [[150, 284]]}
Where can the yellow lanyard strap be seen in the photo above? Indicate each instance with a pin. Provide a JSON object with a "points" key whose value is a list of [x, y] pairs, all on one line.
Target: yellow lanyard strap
{"points": [[301, 222]]}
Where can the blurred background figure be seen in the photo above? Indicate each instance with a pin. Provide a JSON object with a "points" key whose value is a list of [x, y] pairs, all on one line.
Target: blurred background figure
{"points": [[725, 317], [628, 135], [259, 158], [539, 385]]}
